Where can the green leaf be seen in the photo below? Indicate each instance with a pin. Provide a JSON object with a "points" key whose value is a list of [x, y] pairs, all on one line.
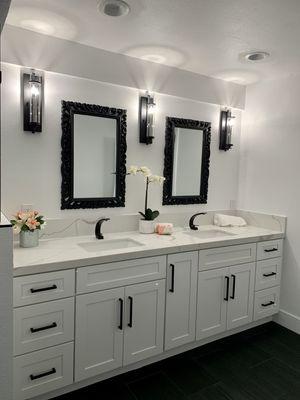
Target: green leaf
{"points": [[155, 214], [142, 214], [148, 214]]}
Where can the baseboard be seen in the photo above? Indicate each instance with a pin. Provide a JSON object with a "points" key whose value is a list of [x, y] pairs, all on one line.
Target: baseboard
{"points": [[288, 320]]}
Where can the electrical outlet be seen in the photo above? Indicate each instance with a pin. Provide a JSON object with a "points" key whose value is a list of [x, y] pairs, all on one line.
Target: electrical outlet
{"points": [[26, 207]]}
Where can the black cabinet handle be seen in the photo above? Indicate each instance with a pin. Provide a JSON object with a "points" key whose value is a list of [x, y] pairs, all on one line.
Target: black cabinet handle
{"points": [[270, 250], [44, 289], [43, 328], [121, 314], [50, 372], [233, 286], [130, 311], [270, 274], [172, 288], [268, 304], [227, 288]]}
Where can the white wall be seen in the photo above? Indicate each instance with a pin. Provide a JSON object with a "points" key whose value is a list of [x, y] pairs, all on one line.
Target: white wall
{"points": [[270, 168], [31, 163]]}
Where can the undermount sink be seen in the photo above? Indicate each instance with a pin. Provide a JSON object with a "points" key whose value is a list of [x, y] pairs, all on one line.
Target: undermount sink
{"points": [[209, 234], [113, 244]]}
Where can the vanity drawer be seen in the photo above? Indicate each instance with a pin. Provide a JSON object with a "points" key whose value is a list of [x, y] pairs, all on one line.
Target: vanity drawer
{"points": [[43, 287], [106, 276], [43, 325], [269, 249], [43, 371], [266, 302], [268, 273], [226, 256]]}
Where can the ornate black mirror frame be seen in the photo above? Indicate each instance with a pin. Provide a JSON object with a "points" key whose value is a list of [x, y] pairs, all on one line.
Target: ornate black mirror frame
{"points": [[68, 201], [171, 124]]}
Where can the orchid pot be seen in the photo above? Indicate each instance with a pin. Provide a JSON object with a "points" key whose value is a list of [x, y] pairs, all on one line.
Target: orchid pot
{"points": [[147, 224]]}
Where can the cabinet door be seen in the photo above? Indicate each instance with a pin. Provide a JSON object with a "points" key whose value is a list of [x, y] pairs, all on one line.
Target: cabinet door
{"points": [[144, 320], [181, 299], [99, 332], [241, 294], [213, 287]]}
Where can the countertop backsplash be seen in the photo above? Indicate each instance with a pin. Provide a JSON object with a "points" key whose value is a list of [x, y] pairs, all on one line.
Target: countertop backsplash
{"points": [[69, 227]]}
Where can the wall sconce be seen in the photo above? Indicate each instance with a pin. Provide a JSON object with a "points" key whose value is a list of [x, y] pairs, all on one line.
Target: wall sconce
{"points": [[32, 102], [147, 109], [226, 124]]}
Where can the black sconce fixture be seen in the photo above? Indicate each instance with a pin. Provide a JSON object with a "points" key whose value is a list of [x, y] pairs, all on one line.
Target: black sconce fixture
{"points": [[33, 100], [147, 108], [226, 123]]}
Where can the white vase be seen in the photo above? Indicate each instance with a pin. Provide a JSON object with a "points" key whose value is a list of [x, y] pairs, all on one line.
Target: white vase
{"points": [[29, 238], [146, 226]]}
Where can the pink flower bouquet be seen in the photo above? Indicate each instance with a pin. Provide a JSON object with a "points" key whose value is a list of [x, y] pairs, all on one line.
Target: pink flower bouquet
{"points": [[27, 221]]}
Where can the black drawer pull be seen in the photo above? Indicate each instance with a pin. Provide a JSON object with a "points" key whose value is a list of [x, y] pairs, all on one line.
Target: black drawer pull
{"points": [[268, 304], [130, 311], [120, 326], [270, 250], [172, 288], [43, 328], [44, 289], [50, 372], [270, 274], [233, 286], [227, 288]]}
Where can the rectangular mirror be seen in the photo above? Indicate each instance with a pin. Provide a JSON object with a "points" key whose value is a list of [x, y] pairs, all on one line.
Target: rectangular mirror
{"points": [[187, 153], [93, 156]]}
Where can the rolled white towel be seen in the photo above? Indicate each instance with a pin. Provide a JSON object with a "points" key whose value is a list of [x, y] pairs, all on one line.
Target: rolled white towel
{"points": [[228, 220]]}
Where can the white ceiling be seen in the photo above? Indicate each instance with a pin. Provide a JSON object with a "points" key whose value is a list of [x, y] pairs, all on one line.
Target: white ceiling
{"points": [[203, 36]]}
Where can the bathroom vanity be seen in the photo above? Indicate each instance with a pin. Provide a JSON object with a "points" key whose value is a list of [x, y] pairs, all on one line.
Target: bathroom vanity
{"points": [[85, 310]]}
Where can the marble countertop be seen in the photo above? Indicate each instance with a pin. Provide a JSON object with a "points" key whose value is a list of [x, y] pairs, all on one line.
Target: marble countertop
{"points": [[65, 253]]}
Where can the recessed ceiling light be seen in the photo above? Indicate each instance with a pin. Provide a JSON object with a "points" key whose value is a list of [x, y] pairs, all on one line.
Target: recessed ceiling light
{"points": [[113, 8], [255, 56]]}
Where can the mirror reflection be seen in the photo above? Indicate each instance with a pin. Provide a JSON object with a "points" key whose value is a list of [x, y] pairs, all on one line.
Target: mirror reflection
{"points": [[187, 162], [94, 156]]}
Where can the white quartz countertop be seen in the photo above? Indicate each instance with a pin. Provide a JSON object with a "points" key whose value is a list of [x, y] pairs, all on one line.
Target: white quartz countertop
{"points": [[65, 253]]}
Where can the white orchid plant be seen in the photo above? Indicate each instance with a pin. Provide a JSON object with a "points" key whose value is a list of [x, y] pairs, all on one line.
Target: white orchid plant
{"points": [[27, 221], [148, 214]]}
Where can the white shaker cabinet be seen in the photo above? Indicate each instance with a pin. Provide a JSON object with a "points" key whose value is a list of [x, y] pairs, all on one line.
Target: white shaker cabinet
{"points": [[99, 332], [181, 299], [241, 295], [144, 321], [118, 327], [127, 311], [213, 289], [225, 299]]}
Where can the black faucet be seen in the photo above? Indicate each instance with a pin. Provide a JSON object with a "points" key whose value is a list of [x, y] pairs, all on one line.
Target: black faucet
{"points": [[98, 233], [191, 223]]}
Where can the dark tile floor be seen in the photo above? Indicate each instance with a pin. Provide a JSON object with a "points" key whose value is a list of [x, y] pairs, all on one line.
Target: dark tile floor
{"points": [[260, 364]]}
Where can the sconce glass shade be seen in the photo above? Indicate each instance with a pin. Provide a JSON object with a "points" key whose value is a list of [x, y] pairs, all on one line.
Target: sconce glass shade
{"points": [[35, 85], [32, 102], [226, 124], [147, 113]]}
